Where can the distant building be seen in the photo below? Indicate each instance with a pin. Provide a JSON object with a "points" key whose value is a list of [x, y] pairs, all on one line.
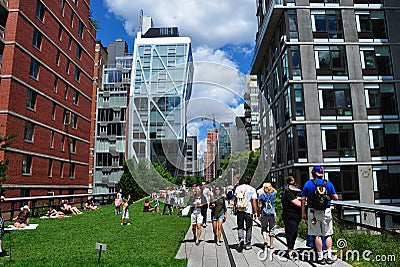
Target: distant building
{"points": [[328, 72], [253, 118], [211, 160], [46, 81], [161, 83], [191, 156], [110, 132]]}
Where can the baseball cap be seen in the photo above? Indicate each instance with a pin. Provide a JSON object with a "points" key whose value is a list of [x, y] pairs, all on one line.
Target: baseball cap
{"points": [[319, 170]]}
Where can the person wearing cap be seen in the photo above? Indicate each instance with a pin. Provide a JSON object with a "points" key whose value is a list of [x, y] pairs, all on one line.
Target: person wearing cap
{"points": [[320, 222], [291, 214], [22, 219]]}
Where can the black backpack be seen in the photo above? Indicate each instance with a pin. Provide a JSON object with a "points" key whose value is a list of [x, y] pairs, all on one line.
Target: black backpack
{"points": [[321, 196]]}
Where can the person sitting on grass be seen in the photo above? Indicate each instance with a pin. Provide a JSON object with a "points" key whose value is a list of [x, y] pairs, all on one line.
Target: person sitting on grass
{"points": [[91, 206], [68, 208], [51, 212], [22, 219], [147, 207]]}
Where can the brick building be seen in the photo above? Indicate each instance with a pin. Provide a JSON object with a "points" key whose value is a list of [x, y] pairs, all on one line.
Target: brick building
{"points": [[46, 81]]}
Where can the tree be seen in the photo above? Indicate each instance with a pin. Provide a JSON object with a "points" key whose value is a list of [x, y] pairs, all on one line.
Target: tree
{"points": [[129, 185], [95, 23]]}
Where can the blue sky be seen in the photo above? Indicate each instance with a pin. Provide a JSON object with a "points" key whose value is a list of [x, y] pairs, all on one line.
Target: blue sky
{"points": [[222, 33]]}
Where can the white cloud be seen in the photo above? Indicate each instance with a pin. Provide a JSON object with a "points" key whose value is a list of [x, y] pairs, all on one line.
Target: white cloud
{"points": [[209, 22], [202, 147]]}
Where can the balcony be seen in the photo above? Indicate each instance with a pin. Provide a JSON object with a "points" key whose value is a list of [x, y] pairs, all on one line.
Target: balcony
{"points": [[271, 19]]}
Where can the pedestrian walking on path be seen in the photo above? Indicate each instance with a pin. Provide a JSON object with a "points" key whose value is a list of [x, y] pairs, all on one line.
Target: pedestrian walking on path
{"points": [[218, 213], [197, 201], [291, 216], [246, 208], [266, 204], [318, 192]]}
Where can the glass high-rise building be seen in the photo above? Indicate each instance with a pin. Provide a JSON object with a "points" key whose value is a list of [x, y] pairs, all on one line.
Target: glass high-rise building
{"points": [[327, 71], [161, 84]]}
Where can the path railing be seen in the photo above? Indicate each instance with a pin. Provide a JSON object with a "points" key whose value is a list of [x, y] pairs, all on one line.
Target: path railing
{"points": [[364, 216], [11, 206]]}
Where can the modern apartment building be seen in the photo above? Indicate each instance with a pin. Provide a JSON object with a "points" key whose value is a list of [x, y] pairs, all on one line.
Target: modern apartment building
{"points": [[327, 71], [47, 54], [112, 103], [251, 98], [161, 83], [211, 157]]}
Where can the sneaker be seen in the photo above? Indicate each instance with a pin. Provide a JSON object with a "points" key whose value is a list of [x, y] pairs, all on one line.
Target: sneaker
{"points": [[129, 223], [197, 243], [122, 223], [3, 254], [330, 260], [248, 247], [204, 225], [219, 244], [320, 261], [241, 245]]}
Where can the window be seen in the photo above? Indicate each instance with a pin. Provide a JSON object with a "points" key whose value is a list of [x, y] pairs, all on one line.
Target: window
{"points": [[381, 99], [327, 24], [58, 54], [300, 133], [53, 111], [34, 69], [66, 116], [37, 39], [50, 168], [292, 18], [335, 100], [40, 10], [26, 164], [62, 7], [72, 170], [375, 60], [51, 139], [331, 60], [75, 97], [69, 42], [78, 51], [29, 131], [66, 91], [338, 141], [71, 22], [369, 2], [325, 1], [295, 60], [384, 140], [81, 28], [345, 180], [60, 30], [67, 67], [371, 24], [63, 143], [74, 120], [299, 101], [77, 75], [31, 99], [387, 180], [73, 145], [55, 84], [61, 170]]}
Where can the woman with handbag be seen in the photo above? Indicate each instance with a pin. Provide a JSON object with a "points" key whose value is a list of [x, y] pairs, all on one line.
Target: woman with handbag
{"points": [[218, 213]]}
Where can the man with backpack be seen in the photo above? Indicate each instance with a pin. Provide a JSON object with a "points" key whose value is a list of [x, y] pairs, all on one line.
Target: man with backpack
{"points": [[318, 192], [245, 205]]}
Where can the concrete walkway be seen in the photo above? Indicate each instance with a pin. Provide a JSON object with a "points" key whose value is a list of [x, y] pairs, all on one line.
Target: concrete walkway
{"points": [[209, 254]]}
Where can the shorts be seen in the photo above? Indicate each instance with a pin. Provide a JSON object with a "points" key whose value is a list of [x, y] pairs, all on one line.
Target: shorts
{"points": [[196, 218], [324, 222], [125, 215], [214, 218]]}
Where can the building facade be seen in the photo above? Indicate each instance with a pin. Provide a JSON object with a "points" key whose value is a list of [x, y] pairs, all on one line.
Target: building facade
{"points": [[327, 73], [211, 157], [112, 104], [161, 84], [47, 54], [251, 98]]}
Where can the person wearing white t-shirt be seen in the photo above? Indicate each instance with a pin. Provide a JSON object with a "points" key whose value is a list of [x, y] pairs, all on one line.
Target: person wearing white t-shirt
{"points": [[245, 215]]}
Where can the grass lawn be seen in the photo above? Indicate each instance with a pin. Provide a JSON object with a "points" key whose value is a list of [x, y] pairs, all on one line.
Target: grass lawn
{"points": [[151, 240]]}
